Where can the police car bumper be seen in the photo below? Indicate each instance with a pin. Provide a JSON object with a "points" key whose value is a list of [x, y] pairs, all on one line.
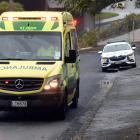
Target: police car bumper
{"points": [[33, 101], [118, 64]]}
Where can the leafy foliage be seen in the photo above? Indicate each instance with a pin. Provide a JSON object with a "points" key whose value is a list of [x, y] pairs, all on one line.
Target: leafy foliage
{"points": [[129, 21], [137, 3], [92, 6], [4, 6], [90, 38]]}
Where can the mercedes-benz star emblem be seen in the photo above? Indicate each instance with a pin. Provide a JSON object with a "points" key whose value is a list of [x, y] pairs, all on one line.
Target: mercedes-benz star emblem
{"points": [[19, 83]]}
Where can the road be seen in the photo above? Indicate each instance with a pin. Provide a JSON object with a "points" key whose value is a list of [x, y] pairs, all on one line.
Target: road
{"points": [[23, 126], [108, 109], [119, 116]]}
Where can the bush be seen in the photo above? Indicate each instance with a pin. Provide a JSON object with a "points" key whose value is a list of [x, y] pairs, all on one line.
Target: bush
{"points": [[103, 34], [116, 26], [129, 21], [137, 4], [89, 38]]}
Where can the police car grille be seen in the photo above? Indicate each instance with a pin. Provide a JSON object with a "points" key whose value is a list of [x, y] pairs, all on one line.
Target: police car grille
{"points": [[27, 84], [117, 58]]}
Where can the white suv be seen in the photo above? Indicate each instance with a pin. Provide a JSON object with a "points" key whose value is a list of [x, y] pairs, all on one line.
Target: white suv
{"points": [[116, 55]]}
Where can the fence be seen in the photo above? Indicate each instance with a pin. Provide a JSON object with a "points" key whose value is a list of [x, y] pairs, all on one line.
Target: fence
{"points": [[118, 27]]}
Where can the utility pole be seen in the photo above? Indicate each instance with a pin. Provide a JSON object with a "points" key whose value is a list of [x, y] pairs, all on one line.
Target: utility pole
{"points": [[133, 29], [10, 5]]}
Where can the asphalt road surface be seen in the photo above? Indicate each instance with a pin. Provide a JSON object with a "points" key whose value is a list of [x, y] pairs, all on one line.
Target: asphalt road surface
{"points": [[109, 109]]}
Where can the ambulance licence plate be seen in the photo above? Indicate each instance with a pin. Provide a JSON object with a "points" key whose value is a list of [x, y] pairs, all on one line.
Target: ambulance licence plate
{"points": [[19, 103]]}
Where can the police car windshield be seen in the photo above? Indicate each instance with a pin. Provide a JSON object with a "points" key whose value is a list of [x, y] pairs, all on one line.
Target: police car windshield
{"points": [[30, 45], [116, 47]]}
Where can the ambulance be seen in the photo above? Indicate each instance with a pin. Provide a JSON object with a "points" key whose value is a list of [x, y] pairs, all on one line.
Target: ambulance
{"points": [[39, 61]]}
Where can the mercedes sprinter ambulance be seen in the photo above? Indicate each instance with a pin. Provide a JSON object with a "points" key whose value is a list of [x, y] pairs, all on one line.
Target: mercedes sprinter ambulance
{"points": [[39, 61]]}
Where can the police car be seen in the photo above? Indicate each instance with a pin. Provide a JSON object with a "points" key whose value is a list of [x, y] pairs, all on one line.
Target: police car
{"points": [[116, 55]]}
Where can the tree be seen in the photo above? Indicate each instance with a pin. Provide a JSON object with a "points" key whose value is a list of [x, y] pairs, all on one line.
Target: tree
{"points": [[47, 5], [4, 6], [92, 6]]}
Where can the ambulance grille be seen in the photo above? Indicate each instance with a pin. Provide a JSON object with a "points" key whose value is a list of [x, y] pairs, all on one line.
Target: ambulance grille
{"points": [[21, 84]]}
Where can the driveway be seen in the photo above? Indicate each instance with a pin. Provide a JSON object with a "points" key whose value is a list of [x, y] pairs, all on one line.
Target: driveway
{"points": [[119, 116]]}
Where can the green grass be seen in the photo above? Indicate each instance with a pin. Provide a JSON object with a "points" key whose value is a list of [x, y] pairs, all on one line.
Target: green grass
{"points": [[105, 15]]}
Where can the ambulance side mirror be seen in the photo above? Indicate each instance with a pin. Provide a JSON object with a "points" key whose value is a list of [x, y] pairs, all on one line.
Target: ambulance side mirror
{"points": [[72, 57]]}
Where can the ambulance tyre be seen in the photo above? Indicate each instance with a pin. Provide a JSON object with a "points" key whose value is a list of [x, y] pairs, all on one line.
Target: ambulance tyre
{"points": [[63, 108], [76, 96]]}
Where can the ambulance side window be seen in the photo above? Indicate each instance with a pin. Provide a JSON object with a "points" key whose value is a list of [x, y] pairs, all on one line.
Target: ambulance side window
{"points": [[74, 40], [68, 45]]}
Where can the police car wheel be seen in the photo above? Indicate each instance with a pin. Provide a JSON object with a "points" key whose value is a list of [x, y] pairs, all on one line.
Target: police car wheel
{"points": [[104, 69], [75, 99], [63, 108]]}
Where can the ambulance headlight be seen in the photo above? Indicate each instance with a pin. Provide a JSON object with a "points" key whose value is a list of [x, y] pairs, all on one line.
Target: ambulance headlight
{"points": [[53, 83]]}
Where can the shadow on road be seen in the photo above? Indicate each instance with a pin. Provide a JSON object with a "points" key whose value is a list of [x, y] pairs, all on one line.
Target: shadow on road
{"points": [[119, 69], [37, 116]]}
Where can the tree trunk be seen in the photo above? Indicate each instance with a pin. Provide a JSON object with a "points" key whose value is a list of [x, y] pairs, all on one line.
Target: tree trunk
{"points": [[11, 5], [46, 5]]}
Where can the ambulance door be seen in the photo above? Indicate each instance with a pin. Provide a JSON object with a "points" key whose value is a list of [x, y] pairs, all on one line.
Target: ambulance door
{"points": [[70, 67], [74, 46]]}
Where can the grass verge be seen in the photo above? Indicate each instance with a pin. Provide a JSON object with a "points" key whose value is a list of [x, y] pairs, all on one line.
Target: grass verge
{"points": [[105, 15]]}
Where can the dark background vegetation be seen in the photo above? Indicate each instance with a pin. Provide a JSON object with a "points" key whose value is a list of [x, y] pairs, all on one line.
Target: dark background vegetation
{"points": [[91, 37], [31, 4]]}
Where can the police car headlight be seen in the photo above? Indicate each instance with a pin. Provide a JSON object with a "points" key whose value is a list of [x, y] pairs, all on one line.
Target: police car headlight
{"points": [[52, 83], [104, 60], [131, 56]]}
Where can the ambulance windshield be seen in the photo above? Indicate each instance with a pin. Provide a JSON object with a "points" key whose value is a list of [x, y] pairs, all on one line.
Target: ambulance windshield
{"points": [[30, 46]]}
